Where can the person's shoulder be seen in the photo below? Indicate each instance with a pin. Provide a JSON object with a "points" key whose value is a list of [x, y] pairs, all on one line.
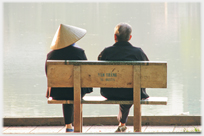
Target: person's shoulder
{"points": [[68, 49], [50, 52], [137, 48], [109, 47], [76, 47]]}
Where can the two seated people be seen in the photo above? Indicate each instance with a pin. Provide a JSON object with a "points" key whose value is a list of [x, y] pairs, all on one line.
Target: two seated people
{"points": [[64, 48]]}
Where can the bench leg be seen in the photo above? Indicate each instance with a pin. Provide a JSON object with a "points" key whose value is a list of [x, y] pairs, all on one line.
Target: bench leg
{"points": [[77, 100], [136, 99], [81, 117]]}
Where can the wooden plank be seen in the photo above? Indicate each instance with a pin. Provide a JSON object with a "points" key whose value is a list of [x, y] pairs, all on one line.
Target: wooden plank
{"points": [[106, 76], [155, 101], [53, 101], [103, 100], [91, 62], [154, 76], [60, 75], [77, 100], [81, 116], [136, 98]]}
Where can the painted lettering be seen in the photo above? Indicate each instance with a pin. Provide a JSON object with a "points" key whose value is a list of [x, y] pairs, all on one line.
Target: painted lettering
{"points": [[101, 74], [108, 76], [111, 74], [110, 79]]}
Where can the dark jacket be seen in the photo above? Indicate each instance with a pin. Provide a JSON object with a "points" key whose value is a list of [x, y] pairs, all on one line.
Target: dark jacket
{"points": [[122, 51], [68, 53]]}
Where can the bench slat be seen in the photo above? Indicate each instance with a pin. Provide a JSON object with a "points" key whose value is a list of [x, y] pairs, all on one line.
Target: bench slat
{"points": [[107, 74], [103, 100]]}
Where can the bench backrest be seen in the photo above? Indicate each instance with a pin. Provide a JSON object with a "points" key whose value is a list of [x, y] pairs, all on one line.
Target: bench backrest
{"points": [[117, 74], [121, 74]]}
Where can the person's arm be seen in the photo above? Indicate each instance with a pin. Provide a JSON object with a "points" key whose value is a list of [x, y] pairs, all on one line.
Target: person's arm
{"points": [[83, 56], [46, 67], [48, 88], [143, 55], [100, 56], [144, 94]]}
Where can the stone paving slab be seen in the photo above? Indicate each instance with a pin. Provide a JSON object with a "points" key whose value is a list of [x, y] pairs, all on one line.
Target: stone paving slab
{"points": [[109, 129], [130, 128], [4, 128], [102, 129], [18, 129], [47, 129], [95, 129], [186, 128], [84, 129], [159, 129]]}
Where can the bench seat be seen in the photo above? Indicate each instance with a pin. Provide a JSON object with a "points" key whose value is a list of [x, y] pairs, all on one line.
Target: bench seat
{"points": [[103, 100], [107, 74]]}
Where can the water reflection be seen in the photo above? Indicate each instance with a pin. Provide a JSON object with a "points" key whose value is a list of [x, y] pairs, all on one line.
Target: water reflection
{"points": [[165, 31]]}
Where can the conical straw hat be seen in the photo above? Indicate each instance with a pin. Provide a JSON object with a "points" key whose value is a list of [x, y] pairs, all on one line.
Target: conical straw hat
{"points": [[66, 35]]}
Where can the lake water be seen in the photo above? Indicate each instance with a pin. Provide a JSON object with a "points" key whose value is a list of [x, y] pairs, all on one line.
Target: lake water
{"points": [[165, 31]]}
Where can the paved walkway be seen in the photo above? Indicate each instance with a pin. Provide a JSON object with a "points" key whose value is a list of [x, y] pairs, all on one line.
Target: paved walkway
{"points": [[96, 129]]}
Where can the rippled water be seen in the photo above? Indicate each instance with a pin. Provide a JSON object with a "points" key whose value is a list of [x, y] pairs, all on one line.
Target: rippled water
{"points": [[165, 31]]}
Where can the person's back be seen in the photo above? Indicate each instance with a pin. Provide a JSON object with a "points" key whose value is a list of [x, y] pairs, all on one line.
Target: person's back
{"points": [[122, 50], [68, 53], [63, 48]]}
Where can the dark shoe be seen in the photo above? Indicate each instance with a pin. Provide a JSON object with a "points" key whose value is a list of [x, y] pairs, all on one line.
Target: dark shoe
{"points": [[69, 130], [121, 129]]}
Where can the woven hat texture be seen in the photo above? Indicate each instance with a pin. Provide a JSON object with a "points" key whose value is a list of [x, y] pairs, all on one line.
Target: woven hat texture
{"points": [[66, 35]]}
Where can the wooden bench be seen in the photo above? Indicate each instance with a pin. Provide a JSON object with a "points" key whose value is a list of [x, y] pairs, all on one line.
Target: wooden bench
{"points": [[112, 74]]}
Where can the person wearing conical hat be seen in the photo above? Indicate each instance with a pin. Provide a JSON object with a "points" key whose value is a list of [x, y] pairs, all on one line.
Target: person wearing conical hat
{"points": [[64, 48]]}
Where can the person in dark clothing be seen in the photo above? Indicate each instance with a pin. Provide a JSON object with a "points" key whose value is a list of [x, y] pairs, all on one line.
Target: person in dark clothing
{"points": [[122, 50], [64, 48]]}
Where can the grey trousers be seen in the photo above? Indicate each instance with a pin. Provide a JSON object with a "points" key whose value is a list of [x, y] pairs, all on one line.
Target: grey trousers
{"points": [[68, 109], [123, 112]]}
